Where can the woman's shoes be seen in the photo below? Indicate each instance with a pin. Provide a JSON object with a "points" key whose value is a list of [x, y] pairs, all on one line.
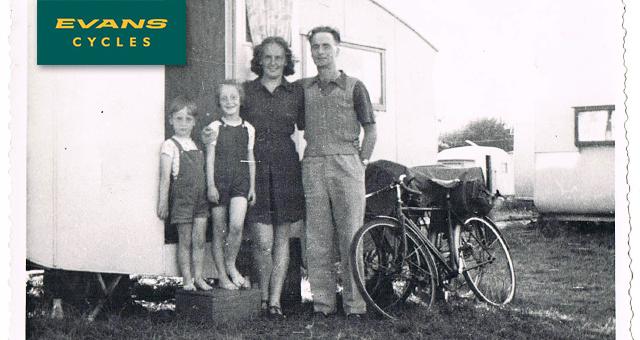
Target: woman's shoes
{"points": [[275, 313]]}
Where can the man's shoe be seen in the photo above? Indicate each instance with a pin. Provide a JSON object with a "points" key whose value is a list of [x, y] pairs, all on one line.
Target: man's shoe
{"points": [[355, 317], [319, 317]]}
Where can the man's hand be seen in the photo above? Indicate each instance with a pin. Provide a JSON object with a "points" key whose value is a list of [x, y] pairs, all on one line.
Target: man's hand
{"points": [[163, 209], [212, 194]]}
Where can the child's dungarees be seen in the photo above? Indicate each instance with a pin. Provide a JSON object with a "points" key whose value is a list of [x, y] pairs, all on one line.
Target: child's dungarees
{"points": [[231, 174], [188, 189]]}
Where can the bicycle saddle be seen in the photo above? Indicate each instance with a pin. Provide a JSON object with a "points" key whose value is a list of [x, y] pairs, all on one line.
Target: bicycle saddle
{"points": [[446, 183]]}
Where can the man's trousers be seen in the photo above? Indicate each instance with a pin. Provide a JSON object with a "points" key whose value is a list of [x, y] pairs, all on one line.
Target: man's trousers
{"points": [[335, 204]]}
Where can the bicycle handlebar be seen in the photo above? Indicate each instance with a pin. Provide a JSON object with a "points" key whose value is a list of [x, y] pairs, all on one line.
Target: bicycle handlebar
{"points": [[401, 182]]}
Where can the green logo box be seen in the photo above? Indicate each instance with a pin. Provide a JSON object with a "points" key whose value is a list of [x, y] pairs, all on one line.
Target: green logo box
{"points": [[106, 32]]}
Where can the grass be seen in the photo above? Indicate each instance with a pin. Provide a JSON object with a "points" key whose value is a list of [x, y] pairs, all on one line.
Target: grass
{"points": [[565, 291]]}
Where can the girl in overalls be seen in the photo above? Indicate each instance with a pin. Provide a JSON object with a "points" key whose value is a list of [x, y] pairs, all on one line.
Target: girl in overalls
{"points": [[230, 182], [182, 192]]}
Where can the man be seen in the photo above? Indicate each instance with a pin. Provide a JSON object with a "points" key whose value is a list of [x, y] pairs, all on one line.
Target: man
{"points": [[336, 108]]}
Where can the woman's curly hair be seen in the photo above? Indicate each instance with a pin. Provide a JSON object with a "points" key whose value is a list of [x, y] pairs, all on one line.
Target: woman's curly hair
{"points": [[258, 51]]}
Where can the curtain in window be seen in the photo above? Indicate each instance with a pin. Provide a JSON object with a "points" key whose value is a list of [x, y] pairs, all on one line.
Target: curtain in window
{"points": [[269, 17]]}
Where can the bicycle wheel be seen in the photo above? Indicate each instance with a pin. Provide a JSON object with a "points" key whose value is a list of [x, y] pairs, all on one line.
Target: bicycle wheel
{"points": [[486, 261], [384, 276]]}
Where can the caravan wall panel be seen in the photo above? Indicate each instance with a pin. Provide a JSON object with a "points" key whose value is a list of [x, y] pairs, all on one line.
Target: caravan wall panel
{"points": [[92, 165], [101, 166], [576, 183]]}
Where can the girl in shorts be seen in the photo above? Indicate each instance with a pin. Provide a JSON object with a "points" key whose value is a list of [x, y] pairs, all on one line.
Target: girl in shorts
{"points": [[230, 182], [182, 196]]}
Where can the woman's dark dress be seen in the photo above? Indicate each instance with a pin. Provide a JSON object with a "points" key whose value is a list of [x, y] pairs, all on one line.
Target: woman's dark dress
{"points": [[279, 193]]}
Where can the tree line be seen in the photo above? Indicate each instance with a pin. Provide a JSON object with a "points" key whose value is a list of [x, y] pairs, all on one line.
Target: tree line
{"points": [[485, 132]]}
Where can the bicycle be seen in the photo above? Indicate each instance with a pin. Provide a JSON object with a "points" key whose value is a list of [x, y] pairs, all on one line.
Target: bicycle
{"points": [[406, 257]]}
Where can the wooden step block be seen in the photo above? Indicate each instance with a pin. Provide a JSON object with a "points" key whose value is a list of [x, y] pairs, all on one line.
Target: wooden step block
{"points": [[218, 304]]}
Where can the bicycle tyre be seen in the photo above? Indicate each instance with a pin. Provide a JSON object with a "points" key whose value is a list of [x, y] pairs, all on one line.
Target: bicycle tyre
{"points": [[486, 261], [384, 281]]}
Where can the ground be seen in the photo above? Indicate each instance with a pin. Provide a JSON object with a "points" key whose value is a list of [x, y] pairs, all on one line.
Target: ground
{"points": [[565, 290]]}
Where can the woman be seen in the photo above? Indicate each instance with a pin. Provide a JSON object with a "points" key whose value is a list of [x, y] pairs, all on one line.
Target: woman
{"points": [[272, 106]]}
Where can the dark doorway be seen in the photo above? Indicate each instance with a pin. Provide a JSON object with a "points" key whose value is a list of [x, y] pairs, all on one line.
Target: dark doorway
{"points": [[204, 69]]}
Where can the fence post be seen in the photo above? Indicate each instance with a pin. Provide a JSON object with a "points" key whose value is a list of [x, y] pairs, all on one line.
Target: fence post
{"points": [[487, 160]]}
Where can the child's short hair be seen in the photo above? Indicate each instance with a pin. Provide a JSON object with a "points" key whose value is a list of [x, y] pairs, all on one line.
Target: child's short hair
{"points": [[180, 102], [229, 82]]}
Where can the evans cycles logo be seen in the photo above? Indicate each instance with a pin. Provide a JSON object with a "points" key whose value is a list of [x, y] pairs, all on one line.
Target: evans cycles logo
{"points": [[109, 32], [100, 40]]}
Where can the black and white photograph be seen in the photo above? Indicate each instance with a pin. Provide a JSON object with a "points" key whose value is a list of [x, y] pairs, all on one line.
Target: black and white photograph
{"points": [[340, 169]]}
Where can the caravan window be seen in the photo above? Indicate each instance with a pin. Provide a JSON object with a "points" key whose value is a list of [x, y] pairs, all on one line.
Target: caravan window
{"points": [[594, 125], [366, 63]]}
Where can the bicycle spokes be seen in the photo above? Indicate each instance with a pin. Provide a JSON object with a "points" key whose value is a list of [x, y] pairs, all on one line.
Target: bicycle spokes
{"points": [[389, 274], [486, 262]]}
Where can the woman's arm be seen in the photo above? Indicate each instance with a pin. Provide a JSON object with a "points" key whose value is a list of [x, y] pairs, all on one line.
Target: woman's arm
{"points": [[165, 179], [206, 135], [252, 177]]}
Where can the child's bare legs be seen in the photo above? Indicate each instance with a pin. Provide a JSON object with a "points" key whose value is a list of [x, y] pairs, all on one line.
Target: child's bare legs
{"points": [[184, 255], [262, 255], [237, 211], [197, 243], [280, 262], [219, 215]]}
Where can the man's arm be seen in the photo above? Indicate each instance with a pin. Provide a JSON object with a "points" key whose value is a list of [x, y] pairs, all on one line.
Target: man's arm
{"points": [[368, 141], [364, 110]]}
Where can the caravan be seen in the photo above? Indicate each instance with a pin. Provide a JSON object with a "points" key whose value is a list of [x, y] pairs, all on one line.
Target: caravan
{"points": [[92, 190]]}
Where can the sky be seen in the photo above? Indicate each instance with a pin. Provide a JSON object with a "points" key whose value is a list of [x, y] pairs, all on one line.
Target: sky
{"points": [[507, 58]]}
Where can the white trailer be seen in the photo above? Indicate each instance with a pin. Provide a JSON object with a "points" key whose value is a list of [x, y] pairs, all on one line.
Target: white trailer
{"points": [[495, 163], [574, 171]]}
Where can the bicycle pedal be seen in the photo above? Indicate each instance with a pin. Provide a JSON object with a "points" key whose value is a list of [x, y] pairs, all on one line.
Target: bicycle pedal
{"points": [[447, 286], [450, 275]]}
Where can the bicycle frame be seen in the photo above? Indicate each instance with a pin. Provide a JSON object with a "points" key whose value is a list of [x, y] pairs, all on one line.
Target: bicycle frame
{"points": [[450, 265]]}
